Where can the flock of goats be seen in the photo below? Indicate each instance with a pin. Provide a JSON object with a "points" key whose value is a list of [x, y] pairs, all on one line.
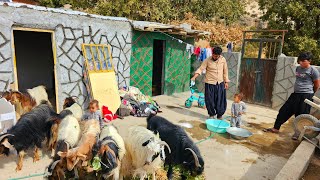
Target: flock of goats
{"points": [[75, 143]]}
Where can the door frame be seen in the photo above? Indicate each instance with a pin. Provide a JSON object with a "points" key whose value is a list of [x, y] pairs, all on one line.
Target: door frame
{"points": [[54, 51]]}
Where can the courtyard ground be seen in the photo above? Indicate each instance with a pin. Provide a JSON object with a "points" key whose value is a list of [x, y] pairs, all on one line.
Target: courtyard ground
{"points": [[259, 157]]}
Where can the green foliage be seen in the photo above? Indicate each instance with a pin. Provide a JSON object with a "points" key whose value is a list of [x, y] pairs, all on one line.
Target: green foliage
{"points": [[301, 18], [158, 10]]}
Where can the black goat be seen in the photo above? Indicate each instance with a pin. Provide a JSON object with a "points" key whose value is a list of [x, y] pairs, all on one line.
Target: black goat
{"points": [[183, 151], [30, 131]]}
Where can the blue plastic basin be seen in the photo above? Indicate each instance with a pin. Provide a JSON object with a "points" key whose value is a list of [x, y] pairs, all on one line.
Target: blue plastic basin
{"points": [[217, 125]]}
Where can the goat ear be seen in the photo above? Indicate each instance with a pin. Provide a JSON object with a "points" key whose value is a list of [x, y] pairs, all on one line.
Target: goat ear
{"points": [[7, 144], [71, 164], [81, 156], [62, 154], [146, 143]]}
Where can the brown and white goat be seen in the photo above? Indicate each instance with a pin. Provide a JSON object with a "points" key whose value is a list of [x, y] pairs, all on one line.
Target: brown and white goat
{"points": [[83, 152], [24, 102]]}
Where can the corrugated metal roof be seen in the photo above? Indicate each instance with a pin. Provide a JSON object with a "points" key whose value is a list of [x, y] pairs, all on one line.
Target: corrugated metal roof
{"points": [[183, 29], [62, 11]]}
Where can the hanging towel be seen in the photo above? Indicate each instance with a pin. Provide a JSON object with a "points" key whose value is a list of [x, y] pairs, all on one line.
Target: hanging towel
{"points": [[209, 52], [189, 49], [203, 54]]}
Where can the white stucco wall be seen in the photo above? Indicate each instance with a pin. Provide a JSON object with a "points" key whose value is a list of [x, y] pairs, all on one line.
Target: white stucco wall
{"points": [[71, 29]]}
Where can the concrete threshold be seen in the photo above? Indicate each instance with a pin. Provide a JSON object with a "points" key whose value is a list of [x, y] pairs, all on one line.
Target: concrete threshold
{"points": [[298, 162]]}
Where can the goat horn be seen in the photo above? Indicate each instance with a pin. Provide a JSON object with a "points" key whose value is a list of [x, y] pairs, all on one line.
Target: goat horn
{"points": [[5, 135], [68, 146], [54, 165], [75, 97], [165, 144], [110, 141], [195, 157]]}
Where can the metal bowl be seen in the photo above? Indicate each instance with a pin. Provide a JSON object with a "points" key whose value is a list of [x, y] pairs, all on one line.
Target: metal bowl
{"points": [[238, 133]]}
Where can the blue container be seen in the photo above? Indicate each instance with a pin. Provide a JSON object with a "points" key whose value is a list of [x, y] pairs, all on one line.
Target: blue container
{"points": [[217, 125]]}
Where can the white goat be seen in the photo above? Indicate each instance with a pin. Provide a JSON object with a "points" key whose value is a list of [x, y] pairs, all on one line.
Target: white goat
{"points": [[145, 153], [68, 131], [68, 135], [39, 94]]}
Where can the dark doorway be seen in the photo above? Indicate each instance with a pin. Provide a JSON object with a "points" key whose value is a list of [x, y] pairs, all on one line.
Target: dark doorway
{"points": [[34, 61], [158, 67]]}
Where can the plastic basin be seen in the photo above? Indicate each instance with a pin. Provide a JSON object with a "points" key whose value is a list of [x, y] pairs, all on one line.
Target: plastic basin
{"points": [[217, 125]]}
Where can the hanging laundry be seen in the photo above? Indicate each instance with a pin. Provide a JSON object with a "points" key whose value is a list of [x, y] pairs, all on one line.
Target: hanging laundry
{"points": [[209, 52], [197, 51], [189, 49], [203, 54], [230, 47]]}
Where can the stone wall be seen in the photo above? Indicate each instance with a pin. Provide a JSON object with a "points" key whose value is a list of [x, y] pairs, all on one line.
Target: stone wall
{"points": [[71, 29], [284, 81], [233, 60]]}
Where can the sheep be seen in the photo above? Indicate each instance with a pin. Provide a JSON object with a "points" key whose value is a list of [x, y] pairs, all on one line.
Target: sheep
{"points": [[68, 136], [29, 132], [83, 151], [76, 111], [184, 151], [110, 149], [144, 153]]}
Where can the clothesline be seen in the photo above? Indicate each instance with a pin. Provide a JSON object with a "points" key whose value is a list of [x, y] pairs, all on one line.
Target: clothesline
{"points": [[201, 53], [179, 40]]}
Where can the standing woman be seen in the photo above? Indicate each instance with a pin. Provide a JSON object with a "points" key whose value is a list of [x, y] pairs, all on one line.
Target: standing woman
{"points": [[216, 83]]}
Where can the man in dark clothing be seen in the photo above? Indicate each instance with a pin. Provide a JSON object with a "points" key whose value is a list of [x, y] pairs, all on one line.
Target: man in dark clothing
{"points": [[216, 82], [307, 83]]}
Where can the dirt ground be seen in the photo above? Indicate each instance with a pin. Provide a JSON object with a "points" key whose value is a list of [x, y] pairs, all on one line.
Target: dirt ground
{"points": [[259, 157]]}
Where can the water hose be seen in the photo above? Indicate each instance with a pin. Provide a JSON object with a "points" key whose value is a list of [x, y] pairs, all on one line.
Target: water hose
{"points": [[25, 177], [212, 134]]}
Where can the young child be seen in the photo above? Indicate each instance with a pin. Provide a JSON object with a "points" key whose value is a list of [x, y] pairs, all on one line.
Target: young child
{"points": [[237, 109], [94, 112]]}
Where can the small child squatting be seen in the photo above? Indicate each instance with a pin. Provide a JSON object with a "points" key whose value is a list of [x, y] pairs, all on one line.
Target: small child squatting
{"points": [[94, 113], [237, 109]]}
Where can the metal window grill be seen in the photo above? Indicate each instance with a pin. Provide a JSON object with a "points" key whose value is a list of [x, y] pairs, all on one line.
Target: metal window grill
{"points": [[97, 59]]}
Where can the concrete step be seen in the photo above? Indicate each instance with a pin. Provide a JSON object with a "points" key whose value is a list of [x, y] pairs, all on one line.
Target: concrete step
{"points": [[298, 162]]}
